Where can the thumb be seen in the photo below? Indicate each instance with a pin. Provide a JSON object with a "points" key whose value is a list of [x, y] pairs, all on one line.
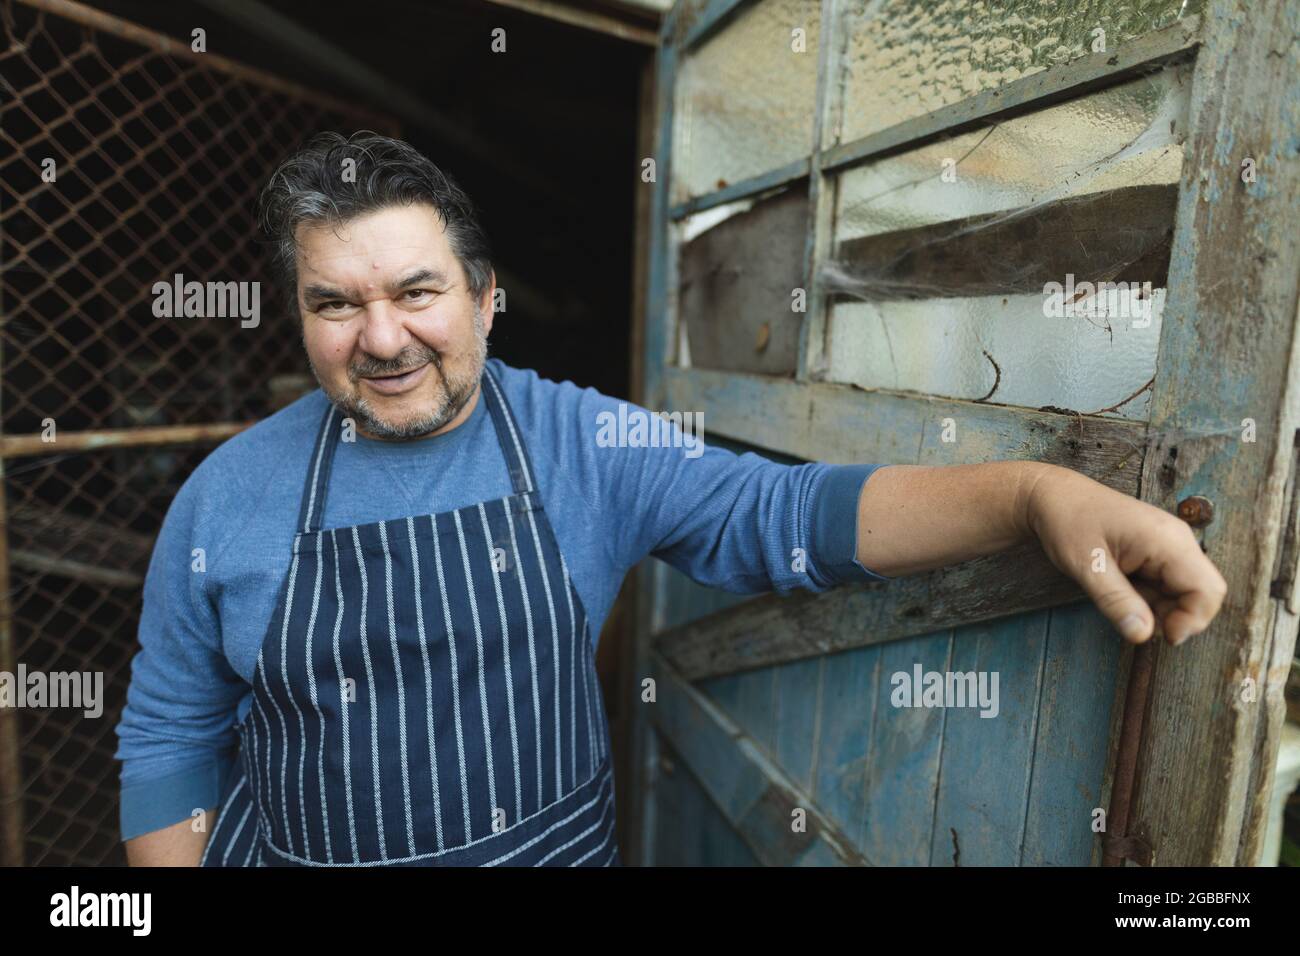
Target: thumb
{"points": [[1117, 599]]}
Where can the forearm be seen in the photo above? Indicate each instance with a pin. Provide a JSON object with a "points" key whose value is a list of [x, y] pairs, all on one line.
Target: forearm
{"points": [[176, 845], [914, 518]]}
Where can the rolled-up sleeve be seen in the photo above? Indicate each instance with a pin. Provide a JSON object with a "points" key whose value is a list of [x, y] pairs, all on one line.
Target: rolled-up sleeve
{"points": [[835, 524], [176, 735]]}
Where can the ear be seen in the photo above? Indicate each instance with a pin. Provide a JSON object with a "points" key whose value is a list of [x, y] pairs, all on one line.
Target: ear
{"points": [[485, 302]]}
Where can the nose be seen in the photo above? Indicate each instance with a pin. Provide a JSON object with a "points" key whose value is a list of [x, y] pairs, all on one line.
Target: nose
{"points": [[384, 335]]}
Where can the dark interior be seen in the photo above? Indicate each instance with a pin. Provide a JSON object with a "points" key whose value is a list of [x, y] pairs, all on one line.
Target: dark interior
{"points": [[542, 136]]}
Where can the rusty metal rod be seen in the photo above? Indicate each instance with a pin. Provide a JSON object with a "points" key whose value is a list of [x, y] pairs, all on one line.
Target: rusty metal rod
{"points": [[20, 446], [1130, 740]]}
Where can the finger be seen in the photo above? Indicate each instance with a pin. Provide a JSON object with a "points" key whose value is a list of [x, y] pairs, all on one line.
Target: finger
{"points": [[1198, 586], [1117, 599], [1162, 604]]}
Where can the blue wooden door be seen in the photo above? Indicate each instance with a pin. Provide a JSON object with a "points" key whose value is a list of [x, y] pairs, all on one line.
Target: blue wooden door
{"points": [[893, 231]]}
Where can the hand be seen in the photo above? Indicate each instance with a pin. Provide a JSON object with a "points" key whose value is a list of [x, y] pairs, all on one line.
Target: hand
{"points": [[1101, 537]]}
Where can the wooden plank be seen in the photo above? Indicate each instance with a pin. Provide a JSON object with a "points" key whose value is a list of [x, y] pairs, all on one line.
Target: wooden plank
{"points": [[1121, 235], [748, 699], [1228, 352], [755, 712], [692, 831], [775, 629], [823, 422], [642, 238], [796, 713], [821, 195], [736, 285], [627, 678], [639, 802], [845, 425], [1083, 75], [757, 798], [1282, 639], [678, 810], [902, 776], [979, 815], [1072, 743], [849, 704]]}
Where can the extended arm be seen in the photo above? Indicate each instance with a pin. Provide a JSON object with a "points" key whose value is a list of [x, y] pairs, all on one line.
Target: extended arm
{"points": [[914, 518]]}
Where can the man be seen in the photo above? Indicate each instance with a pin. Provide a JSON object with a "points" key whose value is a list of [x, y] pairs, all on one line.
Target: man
{"points": [[368, 625]]}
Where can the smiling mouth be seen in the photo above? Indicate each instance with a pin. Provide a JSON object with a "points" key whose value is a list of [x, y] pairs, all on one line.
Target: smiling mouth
{"points": [[399, 383]]}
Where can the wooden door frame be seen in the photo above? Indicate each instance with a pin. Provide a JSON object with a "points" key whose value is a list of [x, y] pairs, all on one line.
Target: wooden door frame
{"points": [[1207, 717]]}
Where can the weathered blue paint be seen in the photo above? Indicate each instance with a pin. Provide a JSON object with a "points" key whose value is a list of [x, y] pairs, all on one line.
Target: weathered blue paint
{"points": [[1072, 741], [904, 768], [795, 717], [693, 832], [986, 762], [847, 714]]}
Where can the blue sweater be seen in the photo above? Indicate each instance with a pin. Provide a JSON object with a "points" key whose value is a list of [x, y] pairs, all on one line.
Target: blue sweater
{"points": [[728, 521]]}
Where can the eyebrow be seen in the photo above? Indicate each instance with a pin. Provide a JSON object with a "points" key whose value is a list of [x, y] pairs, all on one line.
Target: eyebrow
{"points": [[314, 294]]}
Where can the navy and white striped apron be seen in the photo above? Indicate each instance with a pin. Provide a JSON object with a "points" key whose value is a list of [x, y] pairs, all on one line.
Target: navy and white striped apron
{"points": [[426, 693]]}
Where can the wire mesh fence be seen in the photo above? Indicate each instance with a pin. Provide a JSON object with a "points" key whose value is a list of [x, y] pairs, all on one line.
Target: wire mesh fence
{"points": [[126, 160]]}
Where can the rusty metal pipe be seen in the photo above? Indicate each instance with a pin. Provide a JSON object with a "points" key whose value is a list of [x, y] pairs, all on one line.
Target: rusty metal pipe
{"points": [[1130, 740], [22, 446]]}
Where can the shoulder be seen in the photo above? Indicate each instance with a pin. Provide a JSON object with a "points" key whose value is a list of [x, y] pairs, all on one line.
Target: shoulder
{"points": [[238, 472], [554, 408], [256, 453]]}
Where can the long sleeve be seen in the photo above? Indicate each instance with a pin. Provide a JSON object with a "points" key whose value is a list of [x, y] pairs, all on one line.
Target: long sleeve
{"points": [[742, 523], [176, 735]]}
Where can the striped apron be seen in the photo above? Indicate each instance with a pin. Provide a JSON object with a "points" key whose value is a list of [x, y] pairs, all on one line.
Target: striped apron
{"points": [[425, 695]]}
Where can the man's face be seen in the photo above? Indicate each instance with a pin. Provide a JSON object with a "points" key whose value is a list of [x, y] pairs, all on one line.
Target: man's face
{"points": [[392, 332]]}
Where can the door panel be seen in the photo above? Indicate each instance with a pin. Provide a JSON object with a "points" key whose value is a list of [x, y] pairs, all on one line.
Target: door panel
{"points": [[1104, 164]]}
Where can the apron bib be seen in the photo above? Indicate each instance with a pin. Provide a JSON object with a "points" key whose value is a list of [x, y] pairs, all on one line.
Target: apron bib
{"points": [[425, 695]]}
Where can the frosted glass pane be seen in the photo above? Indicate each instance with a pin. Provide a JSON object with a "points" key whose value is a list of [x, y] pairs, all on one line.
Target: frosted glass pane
{"points": [[906, 58], [746, 97], [935, 335], [1127, 135], [939, 346]]}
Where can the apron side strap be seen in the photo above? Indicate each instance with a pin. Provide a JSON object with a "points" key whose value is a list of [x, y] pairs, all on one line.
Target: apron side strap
{"points": [[312, 510], [508, 435]]}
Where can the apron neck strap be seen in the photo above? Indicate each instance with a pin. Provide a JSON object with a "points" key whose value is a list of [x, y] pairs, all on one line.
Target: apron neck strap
{"points": [[312, 511]]}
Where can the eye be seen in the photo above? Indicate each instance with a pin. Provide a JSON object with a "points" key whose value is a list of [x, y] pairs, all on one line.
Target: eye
{"points": [[415, 295], [333, 307]]}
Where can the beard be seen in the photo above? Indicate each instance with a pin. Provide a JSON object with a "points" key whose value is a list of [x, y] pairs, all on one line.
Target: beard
{"points": [[456, 391]]}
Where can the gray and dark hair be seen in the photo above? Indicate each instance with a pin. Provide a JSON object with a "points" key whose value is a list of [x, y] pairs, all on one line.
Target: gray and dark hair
{"points": [[310, 187]]}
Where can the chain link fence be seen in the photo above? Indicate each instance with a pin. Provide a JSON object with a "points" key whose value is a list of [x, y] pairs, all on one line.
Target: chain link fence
{"points": [[126, 159]]}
